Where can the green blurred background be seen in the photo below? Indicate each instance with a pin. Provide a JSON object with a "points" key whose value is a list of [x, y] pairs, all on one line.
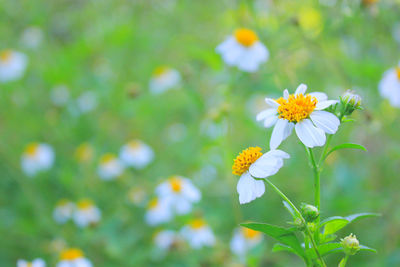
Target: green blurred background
{"points": [[112, 47]]}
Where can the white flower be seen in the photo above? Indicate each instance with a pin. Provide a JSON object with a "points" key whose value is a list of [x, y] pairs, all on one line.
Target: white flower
{"points": [[86, 213], [35, 263], [304, 113], [73, 258], [351, 98], [37, 157], [136, 154], [59, 95], [244, 50], [158, 211], [250, 164], [63, 211], [86, 102], [165, 239], [198, 234], [12, 65], [180, 192], [243, 240], [389, 86], [110, 167], [32, 37], [163, 79]]}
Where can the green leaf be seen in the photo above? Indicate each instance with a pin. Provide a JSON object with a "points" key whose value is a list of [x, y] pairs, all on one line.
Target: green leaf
{"points": [[346, 145], [325, 249], [334, 224], [357, 216], [365, 248], [281, 247], [283, 235], [342, 262]]}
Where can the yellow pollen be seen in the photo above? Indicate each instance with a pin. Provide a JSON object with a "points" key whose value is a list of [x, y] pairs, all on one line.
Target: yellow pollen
{"points": [[107, 158], [84, 204], [153, 203], [31, 149], [398, 72], [71, 254], [84, 152], [245, 37], [197, 223], [296, 107], [160, 71], [176, 184], [134, 144], [245, 159], [250, 234], [5, 55]]}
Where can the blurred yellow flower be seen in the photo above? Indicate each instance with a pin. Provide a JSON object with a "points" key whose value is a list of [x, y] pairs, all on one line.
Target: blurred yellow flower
{"points": [[84, 152], [310, 21]]}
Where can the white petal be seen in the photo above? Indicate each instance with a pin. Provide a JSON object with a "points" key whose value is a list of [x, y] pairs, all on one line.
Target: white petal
{"points": [[268, 122], [266, 113], [301, 89], [249, 188], [319, 96], [278, 153], [324, 104], [325, 121], [286, 94], [281, 131], [271, 102], [310, 135], [268, 164]]}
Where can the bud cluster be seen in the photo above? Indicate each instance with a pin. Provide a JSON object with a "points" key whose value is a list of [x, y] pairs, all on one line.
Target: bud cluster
{"points": [[350, 244]]}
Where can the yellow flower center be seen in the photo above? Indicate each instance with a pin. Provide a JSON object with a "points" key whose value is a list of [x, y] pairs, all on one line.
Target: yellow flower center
{"points": [[29, 264], [245, 37], [159, 71], [398, 72], [250, 234], [62, 202], [134, 144], [71, 254], [84, 204], [176, 184], [84, 152], [5, 55], [197, 223], [296, 107], [32, 149], [245, 159], [107, 158], [153, 203]]}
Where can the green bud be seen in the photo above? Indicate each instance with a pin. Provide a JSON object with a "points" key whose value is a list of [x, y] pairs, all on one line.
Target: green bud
{"points": [[350, 244], [309, 212], [299, 224]]}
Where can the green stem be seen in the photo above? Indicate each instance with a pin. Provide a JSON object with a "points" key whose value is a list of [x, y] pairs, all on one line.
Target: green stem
{"points": [[343, 262], [317, 186], [308, 232]]}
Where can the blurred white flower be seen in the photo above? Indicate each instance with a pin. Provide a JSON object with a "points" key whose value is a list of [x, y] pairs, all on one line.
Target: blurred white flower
{"points": [[73, 257], [243, 240], [389, 86], [136, 154], [304, 113], [158, 211], [86, 102], [165, 239], [198, 234], [176, 132], [250, 164], [12, 65], [37, 157], [32, 37], [110, 167], [35, 263], [59, 95], [243, 50], [86, 213], [137, 195], [63, 211], [180, 192], [164, 79]]}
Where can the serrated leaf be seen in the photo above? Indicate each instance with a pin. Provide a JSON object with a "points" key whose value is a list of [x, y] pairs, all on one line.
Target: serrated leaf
{"points": [[346, 145], [357, 216], [283, 235]]}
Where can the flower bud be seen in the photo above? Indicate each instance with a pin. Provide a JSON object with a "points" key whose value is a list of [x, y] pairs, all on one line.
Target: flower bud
{"points": [[309, 212], [352, 99], [299, 224], [350, 244]]}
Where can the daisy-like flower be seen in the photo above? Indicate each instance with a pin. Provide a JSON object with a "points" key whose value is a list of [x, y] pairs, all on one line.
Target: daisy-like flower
{"points": [[136, 154], [37, 157], [86, 213], [198, 234], [73, 257], [165, 239], [63, 211], [253, 163], [243, 240], [35, 263], [243, 50], [389, 86], [180, 192], [110, 167], [158, 211], [84, 152], [12, 65], [164, 79], [304, 113]]}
